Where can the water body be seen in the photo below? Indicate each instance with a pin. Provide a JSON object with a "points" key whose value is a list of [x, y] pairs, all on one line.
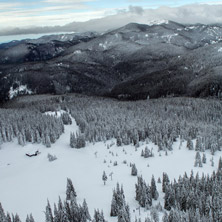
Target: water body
{"points": [[9, 38]]}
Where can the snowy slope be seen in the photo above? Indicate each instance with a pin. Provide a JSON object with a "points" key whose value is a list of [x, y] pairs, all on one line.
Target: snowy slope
{"points": [[26, 183]]}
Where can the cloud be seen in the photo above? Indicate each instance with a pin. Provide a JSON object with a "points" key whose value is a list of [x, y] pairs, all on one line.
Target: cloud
{"points": [[212, 3], [136, 9], [98, 20], [8, 6], [134, 0], [67, 1]]}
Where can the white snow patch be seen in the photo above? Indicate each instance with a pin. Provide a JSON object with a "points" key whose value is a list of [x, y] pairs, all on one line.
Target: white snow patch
{"points": [[158, 22], [192, 27], [21, 89], [55, 113], [77, 52], [104, 45], [169, 37], [220, 49]]}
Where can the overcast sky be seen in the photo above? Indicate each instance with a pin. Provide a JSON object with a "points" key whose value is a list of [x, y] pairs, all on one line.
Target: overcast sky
{"points": [[23, 13]]}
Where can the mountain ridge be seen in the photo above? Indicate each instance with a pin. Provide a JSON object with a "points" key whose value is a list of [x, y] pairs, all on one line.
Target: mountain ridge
{"points": [[177, 59]]}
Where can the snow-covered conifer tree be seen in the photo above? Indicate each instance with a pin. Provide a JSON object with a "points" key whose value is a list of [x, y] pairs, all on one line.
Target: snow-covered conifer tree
{"points": [[48, 213], [190, 144], [154, 191], [204, 159], [134, 170], [104, 177], [70, 188], [198, 161], [85, 211], [2, 214], [98, 216]]}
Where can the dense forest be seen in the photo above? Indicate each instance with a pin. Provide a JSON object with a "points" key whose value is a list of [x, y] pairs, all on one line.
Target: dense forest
{"points": [[160, 121]]}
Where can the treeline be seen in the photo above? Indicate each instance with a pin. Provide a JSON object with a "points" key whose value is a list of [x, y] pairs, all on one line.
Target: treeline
{"points": [[29, 126], [161, 121], [27, 122]]}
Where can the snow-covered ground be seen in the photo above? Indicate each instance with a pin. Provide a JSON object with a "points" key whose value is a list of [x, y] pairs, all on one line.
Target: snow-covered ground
{"points": [[26, 183]]}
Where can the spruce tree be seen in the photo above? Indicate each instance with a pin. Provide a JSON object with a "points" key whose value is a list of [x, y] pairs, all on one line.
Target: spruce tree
{"points": [[2, 214], [190, 144], [69, 189], [134, 170], [104, 177], [204, 159], [165, 181], [48, 213], [98, 216], [154, 191], [16, 218], [85, 211], [220, 165], [8, 218], [198, 161]]}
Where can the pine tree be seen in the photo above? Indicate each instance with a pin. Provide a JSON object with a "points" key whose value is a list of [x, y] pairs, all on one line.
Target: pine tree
{"points": [[155, 215], [142, 153], [124, 214], [104, 177], [143, 193], [118, 201], [70, 188], [47, 140], [154, 191], [2, 214], [98, 217], [48, 213], [85, 211], [165, 181], [190, 144], [169, 199], [212, 161], [30, 218], [204, 159], [56, 215], [198, 161], [81, 141], [134, 170], [198, 146], [72, 140], [220, 165], [60, 213], [118, 141], [114, 207], [16, 218], [8, 218]]}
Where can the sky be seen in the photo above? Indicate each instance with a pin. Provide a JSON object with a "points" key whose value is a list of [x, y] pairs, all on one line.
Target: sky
{"points": [[27, 13]]}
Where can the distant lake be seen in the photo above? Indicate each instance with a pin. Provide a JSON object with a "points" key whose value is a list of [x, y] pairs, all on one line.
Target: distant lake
{"points": [[9, 38]]}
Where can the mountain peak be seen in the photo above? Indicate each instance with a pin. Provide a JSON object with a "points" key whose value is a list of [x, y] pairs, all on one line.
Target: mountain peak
{"points": [[135, 27]]}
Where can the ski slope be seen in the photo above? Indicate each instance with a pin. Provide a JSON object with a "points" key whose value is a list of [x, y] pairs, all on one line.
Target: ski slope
{"points": [[26, 183]]}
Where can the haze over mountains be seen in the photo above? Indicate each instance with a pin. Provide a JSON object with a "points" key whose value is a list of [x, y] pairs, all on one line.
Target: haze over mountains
{"points": [[135, 61], [187, 14]]}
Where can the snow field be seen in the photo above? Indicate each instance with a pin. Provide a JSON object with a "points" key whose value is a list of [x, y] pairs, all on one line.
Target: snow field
{"points": [[26, 183]]}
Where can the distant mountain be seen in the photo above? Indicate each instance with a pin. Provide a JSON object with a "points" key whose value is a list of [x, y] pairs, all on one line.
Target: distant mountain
{"points": [[135, 61], [186, 14]]}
